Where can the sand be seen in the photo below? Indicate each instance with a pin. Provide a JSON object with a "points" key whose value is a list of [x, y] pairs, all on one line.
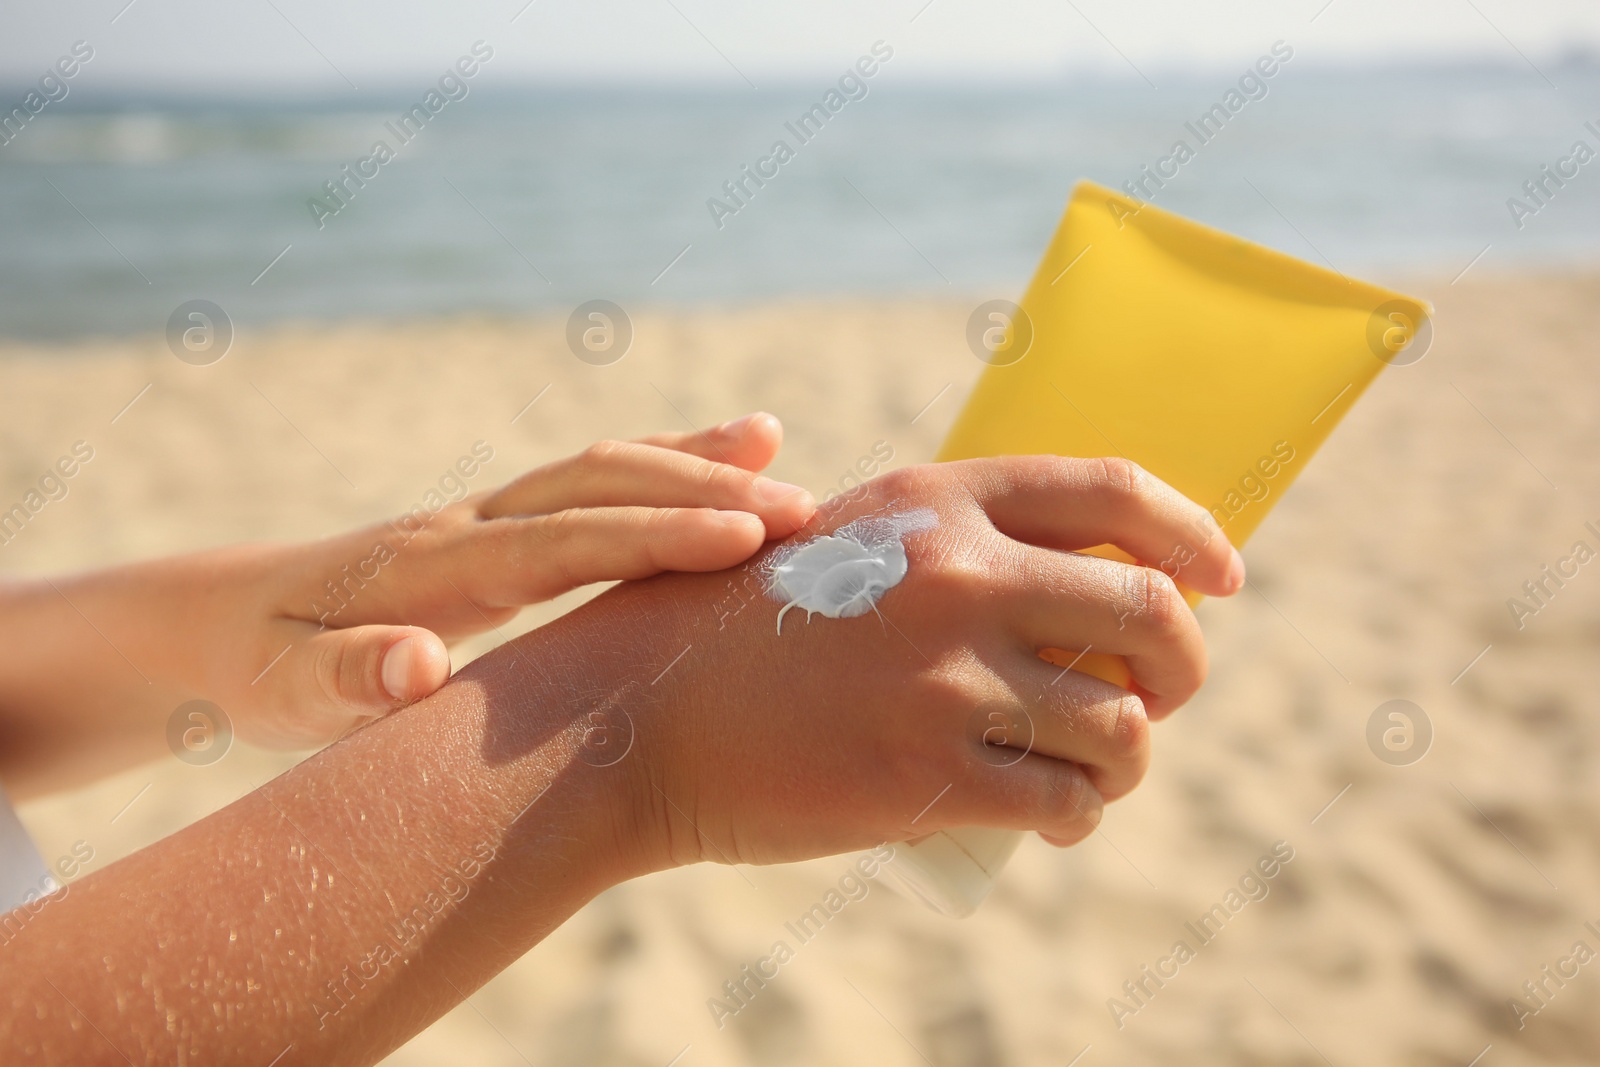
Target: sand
{"points": [[1414, 906]]}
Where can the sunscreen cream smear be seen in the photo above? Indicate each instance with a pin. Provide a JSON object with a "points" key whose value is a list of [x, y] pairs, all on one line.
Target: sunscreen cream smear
{"points": [[842, 574]]}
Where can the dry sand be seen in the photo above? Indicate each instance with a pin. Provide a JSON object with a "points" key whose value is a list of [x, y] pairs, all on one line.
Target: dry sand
{"points": [[1414, 908]]}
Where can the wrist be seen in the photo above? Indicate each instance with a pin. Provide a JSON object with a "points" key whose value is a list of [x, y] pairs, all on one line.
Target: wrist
{"points": [[626, 672], [559, 741]]}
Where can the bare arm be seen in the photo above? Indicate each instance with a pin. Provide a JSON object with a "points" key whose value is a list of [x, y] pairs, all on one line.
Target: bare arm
{"points": [[347, 904], [298, 643], [344, 905]]}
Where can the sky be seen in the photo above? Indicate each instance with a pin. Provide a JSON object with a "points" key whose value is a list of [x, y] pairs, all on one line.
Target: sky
{"points": [[316, 48]]}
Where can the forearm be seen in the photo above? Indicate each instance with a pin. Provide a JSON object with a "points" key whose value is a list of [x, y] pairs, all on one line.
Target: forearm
{"points": [[71, 707], [299, 643], [348, 903], [93, 663]]}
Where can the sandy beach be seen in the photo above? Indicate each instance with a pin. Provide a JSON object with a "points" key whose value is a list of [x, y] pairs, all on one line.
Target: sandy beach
{"points": [[1416, 903]]}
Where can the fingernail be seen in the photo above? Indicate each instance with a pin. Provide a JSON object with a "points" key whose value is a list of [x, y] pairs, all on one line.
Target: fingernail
{"points": [[737, 426], [774, 492], [1236, 572], [397, 669]]}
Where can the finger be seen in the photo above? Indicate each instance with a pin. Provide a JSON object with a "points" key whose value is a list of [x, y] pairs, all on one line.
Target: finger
{"points": [[749, 442], [1075, 717], [343, 676], [1036, 792], [1080, 503], [627, 474], [513, 557], [1072, 601], [413, 667]]}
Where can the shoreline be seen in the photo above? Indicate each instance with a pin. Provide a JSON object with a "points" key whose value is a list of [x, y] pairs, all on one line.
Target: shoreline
{"points": [[1418, 281]]}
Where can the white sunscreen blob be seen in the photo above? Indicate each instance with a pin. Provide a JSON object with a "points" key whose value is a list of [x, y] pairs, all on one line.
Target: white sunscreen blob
{"points": [[843, 574]]}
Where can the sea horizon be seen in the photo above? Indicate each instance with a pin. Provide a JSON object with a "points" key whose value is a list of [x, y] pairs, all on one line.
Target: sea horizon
{"points": [[529, 198]]}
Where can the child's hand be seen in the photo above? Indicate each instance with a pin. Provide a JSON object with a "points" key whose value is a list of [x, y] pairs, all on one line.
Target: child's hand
{"points": [[684, 502]]}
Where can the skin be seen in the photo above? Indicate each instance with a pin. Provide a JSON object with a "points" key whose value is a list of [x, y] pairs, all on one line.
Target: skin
{"points": [[663, 723], [96, 662]]}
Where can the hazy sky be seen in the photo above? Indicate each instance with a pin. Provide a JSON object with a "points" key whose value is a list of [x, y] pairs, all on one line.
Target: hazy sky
{"points": [[314, 46]]}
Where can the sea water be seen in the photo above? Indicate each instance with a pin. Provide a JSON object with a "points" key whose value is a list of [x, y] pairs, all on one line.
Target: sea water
{"points": [[114, 209]]}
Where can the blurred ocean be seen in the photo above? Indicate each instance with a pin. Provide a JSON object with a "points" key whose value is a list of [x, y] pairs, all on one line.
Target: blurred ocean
{"points": [[522, 199]]}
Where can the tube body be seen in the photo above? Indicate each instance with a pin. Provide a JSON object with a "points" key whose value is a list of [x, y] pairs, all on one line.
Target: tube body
{"points": [[1216, 364]]}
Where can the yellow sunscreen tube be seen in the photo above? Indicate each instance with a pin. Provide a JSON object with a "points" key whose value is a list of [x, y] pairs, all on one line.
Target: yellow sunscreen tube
{"points": [[1216, 364]]}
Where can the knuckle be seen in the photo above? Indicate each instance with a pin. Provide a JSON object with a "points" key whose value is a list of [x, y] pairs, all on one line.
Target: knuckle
{"points": [[964, 577], [337, 673], [1068, 802], [981, 560], [913, 482], [553, 537], [1033, 472], [602, 453], [554, 529], [1130, 728], [1154, 599], [1122, 477], [658, 531], [945, 694], [1069, 470], [722, 481]]}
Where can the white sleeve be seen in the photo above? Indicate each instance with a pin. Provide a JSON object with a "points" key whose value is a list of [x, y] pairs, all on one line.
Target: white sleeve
{"points": [[23, 876]]}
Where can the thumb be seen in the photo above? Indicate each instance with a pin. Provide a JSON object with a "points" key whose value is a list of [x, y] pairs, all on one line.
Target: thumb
{"points": [[372, 670]]}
